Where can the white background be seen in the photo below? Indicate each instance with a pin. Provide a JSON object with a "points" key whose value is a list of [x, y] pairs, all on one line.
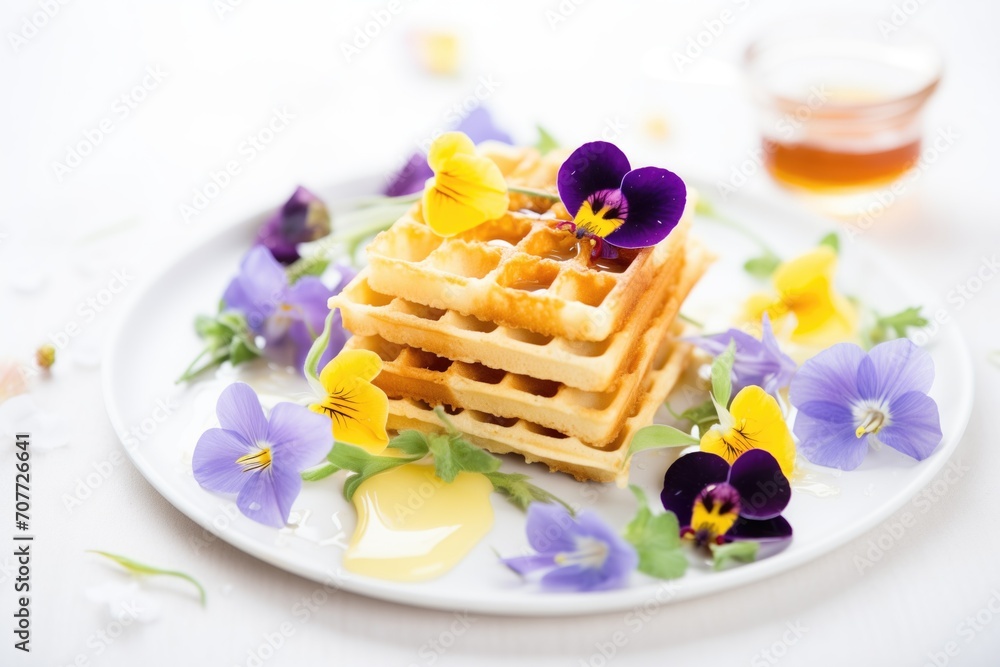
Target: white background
{"points": [[607, 64]]}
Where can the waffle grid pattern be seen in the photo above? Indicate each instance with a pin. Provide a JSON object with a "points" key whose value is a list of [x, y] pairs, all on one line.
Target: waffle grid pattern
{"points": [[537, 443], [517, 271], [586, 365], [595, 417]]}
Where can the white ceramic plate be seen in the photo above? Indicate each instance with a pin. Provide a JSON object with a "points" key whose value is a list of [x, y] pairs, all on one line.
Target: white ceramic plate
{"points": [[159, 422]]}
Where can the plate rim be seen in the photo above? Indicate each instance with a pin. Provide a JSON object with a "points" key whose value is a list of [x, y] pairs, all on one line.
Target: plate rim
{"points": [[542, 604]]}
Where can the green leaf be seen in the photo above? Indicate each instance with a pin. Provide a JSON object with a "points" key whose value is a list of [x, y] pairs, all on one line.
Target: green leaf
{"points": [[311, 266], [659, 436], [742, 552], [471, 458], [702, 415], [762, 267], [454, 454], [410, 442], [363, 464], [546, 142], [348, 457], [897, 324], [521, 492], [227, 338], [722, 375], [831, 240], [240, 351], [656, 539], [207, 327], [234, 321], [141, 569], [446, 467]]}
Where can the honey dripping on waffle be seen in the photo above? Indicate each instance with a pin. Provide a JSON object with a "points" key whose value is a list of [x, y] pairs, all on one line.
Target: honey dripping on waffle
{"points": [[412, 526]]}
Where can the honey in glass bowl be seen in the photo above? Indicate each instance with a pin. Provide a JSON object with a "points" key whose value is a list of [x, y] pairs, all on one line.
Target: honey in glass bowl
{"points": [[840, 107]]}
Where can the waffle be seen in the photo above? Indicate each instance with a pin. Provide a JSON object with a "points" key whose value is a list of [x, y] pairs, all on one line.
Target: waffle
{"points": [[518, 272], [594, 417], [586, 365], [559, 451]]}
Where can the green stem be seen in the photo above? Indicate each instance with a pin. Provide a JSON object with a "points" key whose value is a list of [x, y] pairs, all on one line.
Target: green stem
{"points": [[378, 200], [321, 471], [383, 219], [191, 372], [690, 320], [532, 192]]}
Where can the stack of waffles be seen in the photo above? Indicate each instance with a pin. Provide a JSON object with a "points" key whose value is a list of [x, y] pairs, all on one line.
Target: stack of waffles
{"points": [[531, 347]]}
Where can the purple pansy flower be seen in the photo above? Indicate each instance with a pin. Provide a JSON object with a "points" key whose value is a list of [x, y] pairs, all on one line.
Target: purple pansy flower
{"points": [[258, 458], [717, 503], [847, 399], [613, 203], [757, 362], [304, 217], [289, 317], [479, 127], [579, 553]]}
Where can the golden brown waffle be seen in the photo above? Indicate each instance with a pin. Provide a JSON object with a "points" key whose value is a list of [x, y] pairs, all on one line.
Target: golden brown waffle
{"points": [[593, 417], [585, 365], [526, 167], [517, 271], [557, 450]]}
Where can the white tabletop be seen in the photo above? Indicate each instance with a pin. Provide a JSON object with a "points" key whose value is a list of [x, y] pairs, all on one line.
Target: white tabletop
{"points": [[199, 77]]}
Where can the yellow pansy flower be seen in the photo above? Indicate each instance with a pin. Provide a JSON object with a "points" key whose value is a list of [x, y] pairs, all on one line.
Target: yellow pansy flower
{"points": [[753, 421], [805, 289], [358, 408], [467, 189]]}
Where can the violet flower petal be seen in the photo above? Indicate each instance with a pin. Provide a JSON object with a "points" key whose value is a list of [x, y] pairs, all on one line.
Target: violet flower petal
{"points": [[598, 165], [300, 219], [480, 127], [550, 528], [258, 288], [214, 460], [299, 437], [622, 557], [915, 426], [619, 560], [768, 530], [580, 578], [784, 366], [656, 199], [685, 479], [831, 373], [757, 362], [410, 178], [764, 490], [267, 496], [308, 298], [901, 366], [524, 565], [239, 411], [867, 380], [826, 433]]}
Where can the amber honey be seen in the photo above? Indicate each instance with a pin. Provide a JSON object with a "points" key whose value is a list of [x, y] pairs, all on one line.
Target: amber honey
{"points": [[840, 108], [821, 168]]}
